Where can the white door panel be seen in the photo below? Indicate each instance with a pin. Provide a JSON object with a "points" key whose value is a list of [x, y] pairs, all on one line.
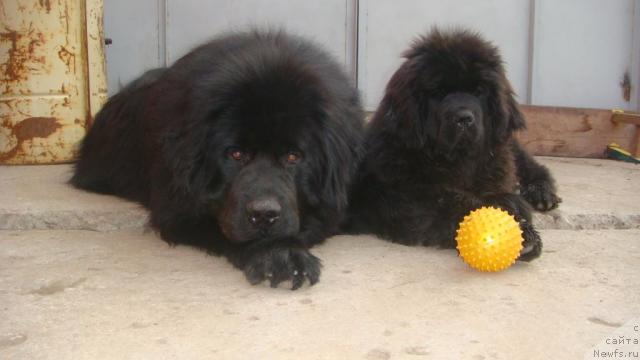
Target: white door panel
{"points": [[328, 22], [582, 49], [133, 28], [151, 33], [386, 28], [559, 53]]}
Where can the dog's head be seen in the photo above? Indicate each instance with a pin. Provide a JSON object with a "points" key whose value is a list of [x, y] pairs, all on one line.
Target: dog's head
{"points": [[451, 96], [271, 135]]}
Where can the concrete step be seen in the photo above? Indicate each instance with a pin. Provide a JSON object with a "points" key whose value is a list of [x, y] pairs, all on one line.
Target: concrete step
{"points": [[597, 194], [39, 197], [128, 295]]}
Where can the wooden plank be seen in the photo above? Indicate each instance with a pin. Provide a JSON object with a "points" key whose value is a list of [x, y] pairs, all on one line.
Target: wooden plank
{"points": [[620, 116], [573, 132]]}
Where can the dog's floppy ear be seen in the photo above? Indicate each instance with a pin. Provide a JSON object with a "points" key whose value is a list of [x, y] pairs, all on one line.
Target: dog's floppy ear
{"points": [[185, 154], [509, 118], [400, 111], [516, 119], [187, 148], [335, 164]]}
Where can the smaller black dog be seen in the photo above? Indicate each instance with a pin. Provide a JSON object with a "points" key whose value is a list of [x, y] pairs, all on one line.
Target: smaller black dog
{"points": [[441, 144]]}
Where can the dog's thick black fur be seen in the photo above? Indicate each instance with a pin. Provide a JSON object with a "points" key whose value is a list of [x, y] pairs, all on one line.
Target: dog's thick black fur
{"points": [[441, 144], [244, 147]]}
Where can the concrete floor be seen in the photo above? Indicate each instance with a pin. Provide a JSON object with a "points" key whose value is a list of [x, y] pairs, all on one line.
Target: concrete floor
{"points": [[80, 278]]}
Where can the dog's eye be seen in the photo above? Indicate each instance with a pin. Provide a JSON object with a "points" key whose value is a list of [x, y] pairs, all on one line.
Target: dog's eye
{"points": [[236, 154], [292, 157]]}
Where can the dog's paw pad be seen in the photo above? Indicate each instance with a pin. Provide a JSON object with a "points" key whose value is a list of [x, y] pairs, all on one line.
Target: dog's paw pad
{"points": [[541, 196], [280, 265]]}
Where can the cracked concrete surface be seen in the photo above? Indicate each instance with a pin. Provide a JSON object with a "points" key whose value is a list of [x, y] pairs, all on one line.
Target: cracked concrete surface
{"points": [[81, 278], [127, 295]]}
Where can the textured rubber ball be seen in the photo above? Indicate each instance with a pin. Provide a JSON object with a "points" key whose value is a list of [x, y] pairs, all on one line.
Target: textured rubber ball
{"points": [[489, 239]]}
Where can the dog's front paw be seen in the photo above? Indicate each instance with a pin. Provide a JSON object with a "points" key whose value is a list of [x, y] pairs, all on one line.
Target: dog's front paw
{"points": [[532, 244], [541, 195], [282, 264]]}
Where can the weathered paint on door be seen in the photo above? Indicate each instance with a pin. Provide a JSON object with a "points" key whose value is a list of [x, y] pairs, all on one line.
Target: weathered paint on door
{"points": [[52, 77]]}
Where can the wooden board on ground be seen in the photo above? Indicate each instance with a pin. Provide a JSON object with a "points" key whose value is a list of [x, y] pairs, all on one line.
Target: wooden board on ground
{"points": [[556, 131]]}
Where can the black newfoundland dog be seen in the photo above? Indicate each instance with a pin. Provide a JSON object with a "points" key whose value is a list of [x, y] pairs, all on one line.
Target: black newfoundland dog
{"points": [[441, 144], [245, 147]]}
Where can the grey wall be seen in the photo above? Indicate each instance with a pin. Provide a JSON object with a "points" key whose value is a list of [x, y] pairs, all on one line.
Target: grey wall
{"points": [[133, 27], [557, 52], [328, 22], [387, 27], [152, 33], [582, 50]]}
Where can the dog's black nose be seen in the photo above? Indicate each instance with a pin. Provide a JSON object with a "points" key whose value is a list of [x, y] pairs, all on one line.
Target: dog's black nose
{"points": [[263, 212], [464, 117]]}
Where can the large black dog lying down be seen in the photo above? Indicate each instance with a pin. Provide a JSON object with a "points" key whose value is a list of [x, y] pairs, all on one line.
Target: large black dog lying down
{"points": [[244, 147], [441, 144]]}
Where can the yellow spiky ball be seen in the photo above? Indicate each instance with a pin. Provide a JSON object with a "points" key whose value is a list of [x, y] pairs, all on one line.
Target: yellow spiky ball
{"points": [[489, 239]]}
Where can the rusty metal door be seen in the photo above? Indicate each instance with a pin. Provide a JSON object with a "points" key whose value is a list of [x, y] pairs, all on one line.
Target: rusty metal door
{"points": [[52, 77]]}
